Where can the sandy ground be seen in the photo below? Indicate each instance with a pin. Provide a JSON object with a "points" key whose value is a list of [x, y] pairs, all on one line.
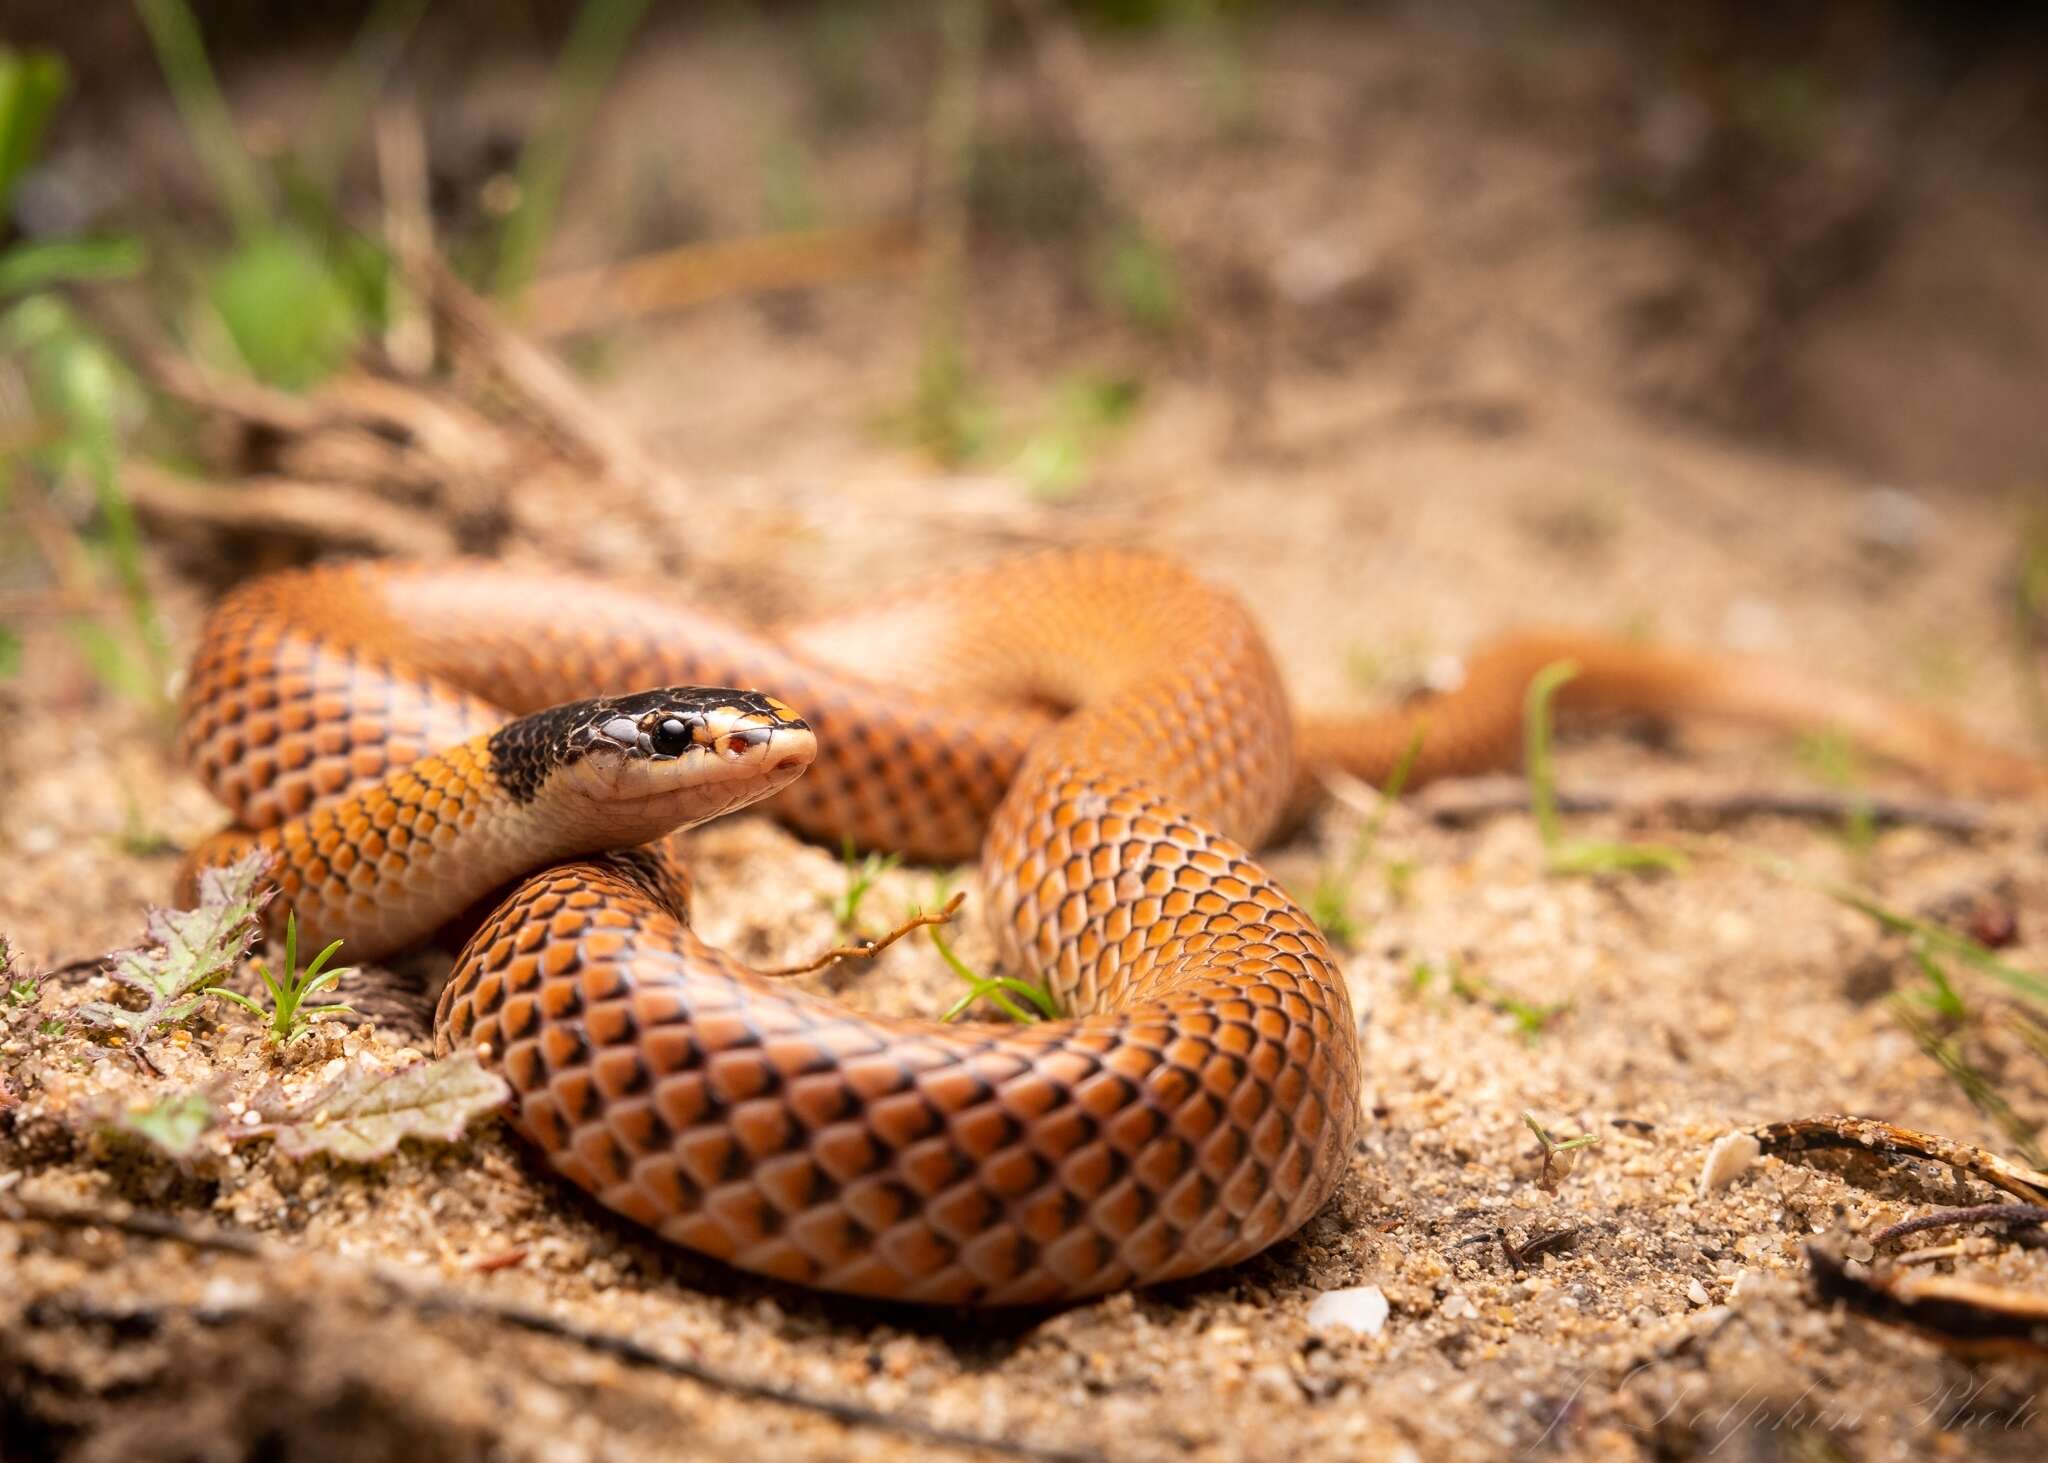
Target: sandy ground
{"points": [[1410, 411]]}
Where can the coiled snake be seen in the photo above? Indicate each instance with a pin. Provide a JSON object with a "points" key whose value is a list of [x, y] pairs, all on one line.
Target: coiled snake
{"points": [[1107, 732]]}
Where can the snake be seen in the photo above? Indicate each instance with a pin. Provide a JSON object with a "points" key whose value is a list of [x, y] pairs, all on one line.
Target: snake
{"points": [[1106, 732]]}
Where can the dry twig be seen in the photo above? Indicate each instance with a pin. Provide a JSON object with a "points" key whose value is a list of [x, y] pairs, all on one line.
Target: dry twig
{"points": [[2013, 1216], [869, 949], [315, 516]]}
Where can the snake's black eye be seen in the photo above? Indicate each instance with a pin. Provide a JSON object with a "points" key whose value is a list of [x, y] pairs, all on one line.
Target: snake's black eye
{"points": [[671, 737]]}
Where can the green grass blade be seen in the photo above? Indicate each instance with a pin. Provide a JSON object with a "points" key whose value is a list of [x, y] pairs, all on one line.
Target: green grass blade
{"points": [[595, 46], [345, 101], [32, 83], [174, 32], [1536, 720], [40, 264]]}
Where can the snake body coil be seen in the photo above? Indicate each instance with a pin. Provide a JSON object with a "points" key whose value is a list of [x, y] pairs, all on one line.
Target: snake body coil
{"points": [[1106, 730]]}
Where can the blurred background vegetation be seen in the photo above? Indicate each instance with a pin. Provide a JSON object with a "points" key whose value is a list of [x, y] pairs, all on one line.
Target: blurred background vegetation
{"points": [[286, 242]]}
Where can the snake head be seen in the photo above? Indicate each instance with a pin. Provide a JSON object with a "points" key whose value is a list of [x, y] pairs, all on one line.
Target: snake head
{"points": [[654, 761]]}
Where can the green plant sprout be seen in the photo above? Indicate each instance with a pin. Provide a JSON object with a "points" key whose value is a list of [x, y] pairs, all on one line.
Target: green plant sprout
{"points": [[290, 1018], [1929, 943], [1941, 996], [1329, 902], [1088, 409], [1552, 1143], [1832, 757], [1573, 856], [861, 876], [1531, 1018], [1557, 1152], [1136, 276], [996, 988]]}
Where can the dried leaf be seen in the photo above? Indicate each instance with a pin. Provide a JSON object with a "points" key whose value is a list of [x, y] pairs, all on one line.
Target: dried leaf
{"points": [[364, 1113], [175, 1123], [188, 950]]}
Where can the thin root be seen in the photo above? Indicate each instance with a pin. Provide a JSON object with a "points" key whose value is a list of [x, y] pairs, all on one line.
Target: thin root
{"points": [[869, 949]]}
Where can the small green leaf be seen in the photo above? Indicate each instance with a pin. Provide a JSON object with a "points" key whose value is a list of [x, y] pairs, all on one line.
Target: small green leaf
{"points": [[1138, 277], [365, 1113], [188, 950], [175, 1123], [291, 319]]}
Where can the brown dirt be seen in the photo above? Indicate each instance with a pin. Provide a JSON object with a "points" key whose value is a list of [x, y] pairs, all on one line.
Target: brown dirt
{"points": [[1461, 356]]}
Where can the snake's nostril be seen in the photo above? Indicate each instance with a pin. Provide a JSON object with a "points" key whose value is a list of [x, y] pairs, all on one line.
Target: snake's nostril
{"points": [[787, 763]]}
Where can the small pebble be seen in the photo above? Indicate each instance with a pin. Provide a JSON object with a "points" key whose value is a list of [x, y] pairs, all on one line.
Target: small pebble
{"points": [[1442, 673], [1360, 1308], [1893, 522], [1752, 624], [1697, 1294], [1728, 1160]]}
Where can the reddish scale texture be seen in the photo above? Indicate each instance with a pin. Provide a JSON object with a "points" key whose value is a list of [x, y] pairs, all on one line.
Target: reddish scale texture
{"points": [[801, 1139], [1202, 1101], [392, 862], [1199, 1107]]}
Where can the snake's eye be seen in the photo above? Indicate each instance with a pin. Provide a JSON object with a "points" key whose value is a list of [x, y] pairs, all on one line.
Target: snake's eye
{"points": [[671, 737]]}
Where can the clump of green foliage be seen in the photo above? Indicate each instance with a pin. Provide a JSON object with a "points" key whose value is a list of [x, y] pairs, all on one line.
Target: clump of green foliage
{"points": [[187, 954], [81, 396], [1088, 409], [290, 1017], [1936, 1013]]}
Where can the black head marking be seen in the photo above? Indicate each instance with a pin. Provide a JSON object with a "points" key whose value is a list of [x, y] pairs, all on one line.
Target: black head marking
{"points": [[668, 723]]}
